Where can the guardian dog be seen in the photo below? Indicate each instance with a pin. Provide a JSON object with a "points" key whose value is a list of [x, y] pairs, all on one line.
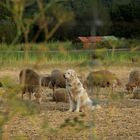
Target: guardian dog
{"points": [[78, 96]]}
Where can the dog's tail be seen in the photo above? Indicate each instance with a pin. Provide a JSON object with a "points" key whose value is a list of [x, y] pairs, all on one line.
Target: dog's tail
{"points": [[96, 107], [97, 104]]}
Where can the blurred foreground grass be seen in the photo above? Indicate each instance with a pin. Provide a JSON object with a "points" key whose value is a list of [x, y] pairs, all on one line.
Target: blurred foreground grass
{"points": [[11, 106]]}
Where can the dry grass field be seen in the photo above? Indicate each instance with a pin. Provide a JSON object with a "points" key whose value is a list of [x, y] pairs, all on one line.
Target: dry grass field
{"points": [[118, 119]]}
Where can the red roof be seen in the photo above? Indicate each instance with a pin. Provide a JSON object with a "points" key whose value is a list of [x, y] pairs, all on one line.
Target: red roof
{"points": [[90, 39]]}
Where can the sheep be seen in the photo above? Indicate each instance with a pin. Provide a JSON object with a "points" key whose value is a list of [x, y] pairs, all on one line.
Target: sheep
{"points": [[30, 82], [60, 95], [45, 80], [57, 80], [130, 87], [102, 78], [136, 94], [134, 81]]}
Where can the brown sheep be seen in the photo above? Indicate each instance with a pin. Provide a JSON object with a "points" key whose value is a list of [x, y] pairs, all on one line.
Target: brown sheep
{"points": [[60, 95], [30, 82], [57, 80], [102, 78], [134, 81], [136, 94], [130, 87], [45, 80]]}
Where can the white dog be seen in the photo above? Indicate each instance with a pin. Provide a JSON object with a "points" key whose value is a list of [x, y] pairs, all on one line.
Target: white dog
{"points": [[78, 96]]}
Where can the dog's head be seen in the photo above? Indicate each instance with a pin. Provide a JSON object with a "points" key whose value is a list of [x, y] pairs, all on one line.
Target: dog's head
{"points": [[70, 74]]}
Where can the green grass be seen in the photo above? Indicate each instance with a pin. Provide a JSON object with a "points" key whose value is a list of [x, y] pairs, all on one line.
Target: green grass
{"points": [[14, 59], [57, 45], [17, 58], [44, 55]]}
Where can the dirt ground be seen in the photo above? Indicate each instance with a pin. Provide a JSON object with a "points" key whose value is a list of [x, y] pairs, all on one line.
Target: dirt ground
{"points": [[116, 120]]}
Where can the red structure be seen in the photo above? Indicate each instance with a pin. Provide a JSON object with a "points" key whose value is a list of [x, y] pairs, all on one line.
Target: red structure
{"points": [[89, 40]]}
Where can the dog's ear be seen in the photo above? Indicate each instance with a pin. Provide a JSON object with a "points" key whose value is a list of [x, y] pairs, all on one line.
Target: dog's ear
{"points": [[74, 74]]}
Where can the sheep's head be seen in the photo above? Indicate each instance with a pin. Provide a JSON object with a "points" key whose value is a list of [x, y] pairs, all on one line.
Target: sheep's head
{"points": [[130, 87]]}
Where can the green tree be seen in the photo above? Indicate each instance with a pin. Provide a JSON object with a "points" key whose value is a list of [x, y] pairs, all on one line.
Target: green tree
{"points": [[125, 19], [91, 17], [42, 13], [7, 26]]}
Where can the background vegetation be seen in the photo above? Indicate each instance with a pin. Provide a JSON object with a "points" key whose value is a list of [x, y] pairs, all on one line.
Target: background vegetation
{"points": [[34, 20]]}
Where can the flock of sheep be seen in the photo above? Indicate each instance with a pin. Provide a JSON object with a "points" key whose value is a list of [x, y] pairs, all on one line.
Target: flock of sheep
{"points": [[32, 83]]}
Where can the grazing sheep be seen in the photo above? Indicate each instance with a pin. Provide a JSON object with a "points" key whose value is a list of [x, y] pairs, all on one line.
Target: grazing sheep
{"points": [[57, 80], [130, 87], [45, 80], [134, 81], [30, 82], [60, 95], [101, 78], [136, 94]]}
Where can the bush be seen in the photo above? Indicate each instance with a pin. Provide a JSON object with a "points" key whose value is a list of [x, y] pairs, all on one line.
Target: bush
{"points": [[7, 31], [121, 43]]}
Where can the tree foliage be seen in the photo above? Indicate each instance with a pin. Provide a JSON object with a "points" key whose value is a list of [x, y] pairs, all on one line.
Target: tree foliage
{"points": [[126, 19], [39, 20]]}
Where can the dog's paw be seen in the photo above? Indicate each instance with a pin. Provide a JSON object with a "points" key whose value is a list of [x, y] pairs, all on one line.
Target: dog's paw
{"points": [[70, 110], [76, 111]]}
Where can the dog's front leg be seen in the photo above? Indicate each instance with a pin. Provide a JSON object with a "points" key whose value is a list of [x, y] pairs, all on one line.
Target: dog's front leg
{"points": [[71, 105], [78, 105], [71, 102]]}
